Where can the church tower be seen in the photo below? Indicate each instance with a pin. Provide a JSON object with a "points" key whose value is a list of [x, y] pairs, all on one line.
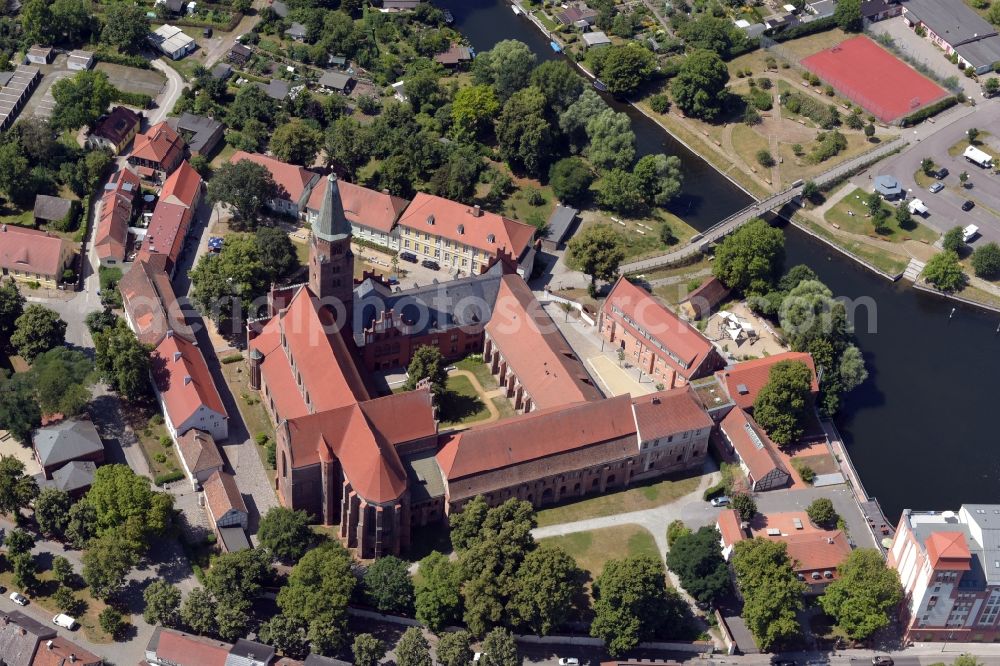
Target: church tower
{"points": [[331, 263]]}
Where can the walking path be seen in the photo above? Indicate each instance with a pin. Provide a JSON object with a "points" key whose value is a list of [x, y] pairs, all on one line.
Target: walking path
{"points": [[485, 396]]}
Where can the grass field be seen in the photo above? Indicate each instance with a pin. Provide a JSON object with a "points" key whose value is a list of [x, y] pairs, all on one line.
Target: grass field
{"points": [[593, 549], [251, 409], [636, 498], [157, 447], [461, 403], [859, 223], [893, 264], [480, 370]]}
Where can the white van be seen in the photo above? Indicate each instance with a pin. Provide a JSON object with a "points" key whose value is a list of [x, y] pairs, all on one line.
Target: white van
{"points": [[64, 621]]}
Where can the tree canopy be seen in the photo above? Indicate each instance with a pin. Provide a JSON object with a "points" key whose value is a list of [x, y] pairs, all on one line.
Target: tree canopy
{"points": [[624, 67], [750, 259], [387, 586], [944, 272], [316, 596], [438, 592], [782, 405], [17, 489], [125, 27], [696, 558], [864, 597], [427, 363], [122, 361], [700, 84], [507, 67], [36, 331], [245, 187], [286, 533], [597, 251], [771, 592], [81, 99]]}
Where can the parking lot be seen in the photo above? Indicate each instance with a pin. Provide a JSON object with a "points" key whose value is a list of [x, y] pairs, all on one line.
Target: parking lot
{"points": [[42, 103], [131, 79]]}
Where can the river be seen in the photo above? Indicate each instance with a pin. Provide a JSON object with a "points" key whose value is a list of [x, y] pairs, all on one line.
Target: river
{"points": [[919, 430]]}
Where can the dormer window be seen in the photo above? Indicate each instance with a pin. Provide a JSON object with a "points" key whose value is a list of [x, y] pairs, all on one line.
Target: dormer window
{"points": [[430, 220], [461, 229], [491, 238]]}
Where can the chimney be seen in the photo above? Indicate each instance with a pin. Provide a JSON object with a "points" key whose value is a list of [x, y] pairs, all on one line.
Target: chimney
{"points": [[656, 401], [48, 644], [72, 657], [477, 211]]}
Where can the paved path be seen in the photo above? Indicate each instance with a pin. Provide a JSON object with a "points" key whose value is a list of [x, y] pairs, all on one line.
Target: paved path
{"points": [[171, 91], [486, 396]]}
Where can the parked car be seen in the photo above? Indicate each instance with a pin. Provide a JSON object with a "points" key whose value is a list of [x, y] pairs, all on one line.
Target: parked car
{"points": [[969, 232], [19, 599], [941, 173], [431, 264], [968, 205], [881, 660], [408, 256], [720, 501], [935, 188], [569, 661], [393, 280], [64, 621], [207, 32]]}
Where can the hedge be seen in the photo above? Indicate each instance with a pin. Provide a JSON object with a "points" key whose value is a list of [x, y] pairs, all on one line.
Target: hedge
{"points": [[232, 358], [803, 29], [133, 99], [103, 54], [928, 111], [714, 491], [169, 477]]}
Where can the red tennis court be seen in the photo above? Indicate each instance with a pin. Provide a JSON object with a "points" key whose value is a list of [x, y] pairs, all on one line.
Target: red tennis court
{"points": [[865, 73]]}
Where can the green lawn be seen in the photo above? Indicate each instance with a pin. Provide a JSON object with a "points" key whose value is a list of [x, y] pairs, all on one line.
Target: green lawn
{"points": [[893, 264], [461, 404], [858, 223], [251, 409], [959, 148], [613, 503], [518, 206], [503, 406], [480, 370], [158, 448], [593, 549]]}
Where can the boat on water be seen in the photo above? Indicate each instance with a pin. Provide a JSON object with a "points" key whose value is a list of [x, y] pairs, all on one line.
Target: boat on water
{"points": [[600, 85], [516, 9], [555, 46]]}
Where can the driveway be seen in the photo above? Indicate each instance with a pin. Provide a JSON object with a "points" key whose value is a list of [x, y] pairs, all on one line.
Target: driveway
{"points": [[168, 96]]}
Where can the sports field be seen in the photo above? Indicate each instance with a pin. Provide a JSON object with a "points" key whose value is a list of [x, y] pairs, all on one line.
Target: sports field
{"points": [[867, 74]]}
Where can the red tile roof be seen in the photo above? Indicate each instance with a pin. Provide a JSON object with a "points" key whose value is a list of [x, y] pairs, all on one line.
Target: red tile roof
{"points": [[182, 649], [167, 230], [536, 351], [31, 251], [754, 375], [58, 651], [402, 417], [668, 413], [762, 460], [160, 144], [199, 451], [182, 187], [363, 206], [460, 223], [149, 299], [948, 551], [537, 435], [293, 179], [706, 296], [183, 379], [730, 527], [816, 551], [117, 125], [222, 495], [686, 347]]}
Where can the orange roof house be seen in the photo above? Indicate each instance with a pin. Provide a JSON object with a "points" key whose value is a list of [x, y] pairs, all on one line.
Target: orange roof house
{"points": [[158, 149], [757, 454], [367, 210], [296, 183], [116, 208], [654, 338], [186, 389], [182, 187], [744, 380], [30, 255], [169, 646], [224, 502], [115, 130], [57, 651], [199, 455], [151, 307], [166, 233], [541, 368], [948, 551]]}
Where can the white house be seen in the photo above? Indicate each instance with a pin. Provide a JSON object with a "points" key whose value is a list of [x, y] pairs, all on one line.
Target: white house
{"points": [[172, 41], [185, 389]]}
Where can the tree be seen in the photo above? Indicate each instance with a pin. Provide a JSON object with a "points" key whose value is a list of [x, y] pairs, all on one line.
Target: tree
{"points": [[696, 558], [316, 595], [548, 581], [986, 261], [749, 259], [699, 85], [19, 411], [18, 542], [427, 363], [659, 178], [387, 586], [438, 592], [927, 166], [973, 134], [286, 533], [904, 218], [675, 530], [17, 489], [287, 637], [236, 579], [296, 142], [52, 511], [782, 405], [82, 525], [631, 603], [64, 599], [621, 192], [597, 251], [62, 377], [413, 649], [276, 252], [245, 187], [765, 159], [125, 27], [848, 16], [624, 67], [36, 21], [36, 331], [25, 571], [507, 67], [15, 173], [225, 285], [952, 240], [744, 505], [524, 137], [772, 594], [822, 513], [810, 190], [198, 611], [112, 621], [573, 121], [368, 650], [124, 504], [558, 83], [456, 179], [944, 272], [62, 570], [81, 99], [870, 131], [711, 33], [865, 595], [73, 19], [500, 649], [100, 320], [106, 563], [453, 649], [472, 111], [852, 370], [232, 620], [348, 144], [611, 140], [11, 307], [122, 361], [991, 86], [570, 179], [163, 602]]}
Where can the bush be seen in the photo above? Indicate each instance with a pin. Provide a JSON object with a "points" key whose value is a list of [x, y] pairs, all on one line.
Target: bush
{"points": [[986, 261], [105, 54], [764, 158], [829, 144], [659, 103], [824, 115], [802, 29], [168, 477], [928, 111], [759, 99], [676, 529], [133, 99], [804, 470], [714, 491], [232, 358]]}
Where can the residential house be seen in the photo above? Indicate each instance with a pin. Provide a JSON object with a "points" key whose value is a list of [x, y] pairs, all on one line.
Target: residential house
{"points": [[559, 228], [744, 381], [400, 5], [51, 209], [157, 151], [70, 439], [199, 456], [279, 8], [461, 238], [873, 11], [57, 651], [757, 454], [186, 390], [115, 130], [704, 299], [372, 213], [74, 478], [20, 637], [595, 39], [239, 55], [40, 55], [654, 339], [200, 133], [297, 32], [226, 510], [250, 653], [80, 60], [295, 183], [223, 71], [947, 563], [169, 647], [117, 208], [455, 55], [576, 13], [276, 89], [957, 29], [30, 256], [815, 553], [172, 41], [336, 82], [173, 215]]}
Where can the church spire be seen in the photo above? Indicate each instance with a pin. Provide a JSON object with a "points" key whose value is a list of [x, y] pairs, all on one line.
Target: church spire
{"points": [[331, 225]]}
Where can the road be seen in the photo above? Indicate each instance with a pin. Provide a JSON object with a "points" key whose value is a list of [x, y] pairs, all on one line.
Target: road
{"points": [[171, 91]]}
